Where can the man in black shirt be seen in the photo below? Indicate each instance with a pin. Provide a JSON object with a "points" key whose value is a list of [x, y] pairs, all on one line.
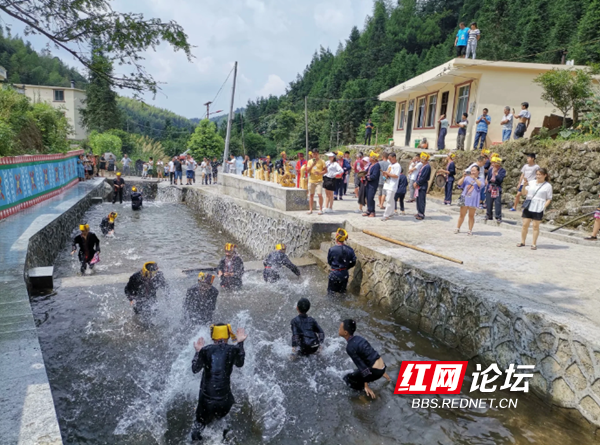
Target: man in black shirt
{"points": [[231, 268], [370, 365], [307, 335], [275, 261], [201, 300], [142, 286], [215, 169], [88, 244], [368, 132], [178, 171], [107, 226], [118, 185], [340, 258], [217, 361], [136, 199]]}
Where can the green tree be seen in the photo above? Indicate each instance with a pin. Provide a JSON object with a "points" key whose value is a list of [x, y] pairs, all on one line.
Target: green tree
{"points": [[101, 112], [587, 48], [53, 126], [73, 25], [206, 142], [566, 90], [255, 145], [105, 143]]}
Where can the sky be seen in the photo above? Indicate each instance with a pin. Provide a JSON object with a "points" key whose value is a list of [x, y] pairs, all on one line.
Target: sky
{"points": [[272, 41]]}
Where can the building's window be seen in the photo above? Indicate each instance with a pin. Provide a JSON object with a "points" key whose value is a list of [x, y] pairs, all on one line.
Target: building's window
{"points": [[431, 110], [421, 113], [59, 95], [462, 102], [444, 107], [401, 115]]}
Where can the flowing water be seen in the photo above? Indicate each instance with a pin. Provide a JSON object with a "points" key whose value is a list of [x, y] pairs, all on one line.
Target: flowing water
{"points": [[116, 381]]}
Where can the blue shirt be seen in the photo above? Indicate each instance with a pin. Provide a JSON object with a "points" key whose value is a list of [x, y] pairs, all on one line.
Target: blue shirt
{"points": [[482, 126], [463, 36]]}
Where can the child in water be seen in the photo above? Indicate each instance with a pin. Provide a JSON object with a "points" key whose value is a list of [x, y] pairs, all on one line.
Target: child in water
{"points": [[307, 335]]}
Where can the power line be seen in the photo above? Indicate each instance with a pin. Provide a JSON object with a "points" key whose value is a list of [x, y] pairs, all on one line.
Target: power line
{"points": [[218, 92]]}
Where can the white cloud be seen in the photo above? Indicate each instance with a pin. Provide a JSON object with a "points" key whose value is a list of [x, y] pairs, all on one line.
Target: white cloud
{"points": [[274, 86], [334, 17], [204, 64]]}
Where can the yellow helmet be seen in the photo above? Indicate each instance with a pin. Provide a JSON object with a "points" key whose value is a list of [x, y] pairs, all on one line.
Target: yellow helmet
{"points": [[424, 156], [84, 227], [340, 153], [310, 153], [282, 153], [280, 246], [485, 152], [341, 235], [134, 189], [229, 247], [206, 278], [112, 216], [221, 332], [373, 155], [118, 173], [497, 160], [452, 155], [150, 268]]}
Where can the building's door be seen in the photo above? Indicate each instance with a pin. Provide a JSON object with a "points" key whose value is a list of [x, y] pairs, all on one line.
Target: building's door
{"points": [[409, 121], [444, 109]]}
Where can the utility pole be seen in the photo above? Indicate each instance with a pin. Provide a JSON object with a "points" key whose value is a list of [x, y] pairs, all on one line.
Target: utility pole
{"points": [[230, 118], [330, 136], [338, 135], [207, 104], [306, 123]]}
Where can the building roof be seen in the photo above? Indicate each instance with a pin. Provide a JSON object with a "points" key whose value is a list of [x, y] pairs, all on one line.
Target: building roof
{"points": [[465, 69], [22, 85]]}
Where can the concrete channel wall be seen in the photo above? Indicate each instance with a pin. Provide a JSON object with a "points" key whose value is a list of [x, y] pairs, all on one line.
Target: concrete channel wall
{"points": [[481, 327]]}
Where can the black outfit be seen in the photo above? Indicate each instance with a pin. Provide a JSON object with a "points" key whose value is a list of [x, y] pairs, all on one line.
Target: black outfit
{"points": [[118, 190], [143, 291], [280, 166], [368, 132], [215, 170], [340, 258], [200, 303], [233, 265], [106, 226], [136, 200], [307, 335], [102, 163], [364, 357], [423, 183], [493, 197], [401, 191], [275, 261], [215, 399], [536, 216], [87, 249], [373, 174], [520, 130]]}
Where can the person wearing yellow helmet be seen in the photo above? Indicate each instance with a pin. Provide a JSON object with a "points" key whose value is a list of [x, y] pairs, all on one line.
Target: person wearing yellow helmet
{"points": [[421, 185], [217, 361], [118, 186], [275, 261], [107, 226], [142, 287], [340, 258], [280, 164], [231, 268], [89, 247], [201, 300], [136, 198], [495, 177]]}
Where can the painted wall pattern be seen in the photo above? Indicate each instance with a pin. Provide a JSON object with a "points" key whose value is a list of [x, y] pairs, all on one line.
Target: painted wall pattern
{"points": [[28, 180]]}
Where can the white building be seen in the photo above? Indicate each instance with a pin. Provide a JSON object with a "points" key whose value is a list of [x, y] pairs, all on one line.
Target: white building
{"points": [[70, 100], [2, 73]]}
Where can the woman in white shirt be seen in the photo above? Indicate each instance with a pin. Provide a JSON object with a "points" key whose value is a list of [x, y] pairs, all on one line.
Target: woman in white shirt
{"points": [[539, 196], [333, 169]]}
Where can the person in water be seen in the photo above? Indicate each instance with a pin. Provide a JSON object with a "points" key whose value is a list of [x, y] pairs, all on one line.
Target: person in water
{"points": [[107, 226], [136, 199], [368, 361], [89, 245], [201, 300], [118, 186], [307, 335], [340, 258], [142, 286], [231, 268], [275, 261], [217, 361]]}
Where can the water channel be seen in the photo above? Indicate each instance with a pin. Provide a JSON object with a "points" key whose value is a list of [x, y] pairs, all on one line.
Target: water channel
{"points": [[115, 381]]}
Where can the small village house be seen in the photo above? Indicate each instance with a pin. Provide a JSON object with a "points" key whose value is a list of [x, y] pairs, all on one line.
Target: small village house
{"points": [[70, 100], [466, 85], [2, 73]]}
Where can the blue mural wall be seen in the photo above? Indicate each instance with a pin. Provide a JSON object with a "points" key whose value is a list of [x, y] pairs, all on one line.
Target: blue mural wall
{"points": [[23, 182]]}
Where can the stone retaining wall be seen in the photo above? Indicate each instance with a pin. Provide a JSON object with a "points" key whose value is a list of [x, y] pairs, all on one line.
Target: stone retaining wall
{"points": [[567, 366], [256, 227]]}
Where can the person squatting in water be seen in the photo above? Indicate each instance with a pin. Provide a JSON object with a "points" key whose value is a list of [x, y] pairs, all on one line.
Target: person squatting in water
{"points": [[142, 287], [201, 300], [217, 360], [275, 261], [107, 226]]}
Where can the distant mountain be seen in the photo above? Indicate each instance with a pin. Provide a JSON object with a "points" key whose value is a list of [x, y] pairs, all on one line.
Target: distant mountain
{"points": [[141, 118], [25, 65], [218, 119]]}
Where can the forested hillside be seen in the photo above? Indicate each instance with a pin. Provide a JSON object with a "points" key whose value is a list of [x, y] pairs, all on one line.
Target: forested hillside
{"points": [[408, 37], [25, 65]]}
